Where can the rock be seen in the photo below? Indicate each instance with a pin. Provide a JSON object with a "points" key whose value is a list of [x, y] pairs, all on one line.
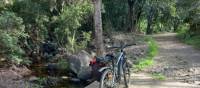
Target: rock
{"points": [[130, 63], [33, 79], [22, 71], [79, 64], [189, 81], [176, 57], [191, 70], [2, 59], [197, 82], [11, 79], [9, 74], [85, 73], [107, 40]]}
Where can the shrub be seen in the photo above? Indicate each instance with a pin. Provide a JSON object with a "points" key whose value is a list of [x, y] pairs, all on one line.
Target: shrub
{"points": [[69, 21], [153, 48], [194, 40], [11, 31]]}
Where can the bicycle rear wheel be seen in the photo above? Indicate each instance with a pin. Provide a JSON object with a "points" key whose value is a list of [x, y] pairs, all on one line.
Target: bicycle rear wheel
{"points": [[107, 80]]}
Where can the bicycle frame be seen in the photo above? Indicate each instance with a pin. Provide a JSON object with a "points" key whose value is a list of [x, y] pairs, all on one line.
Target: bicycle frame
{"points": [[116, 67]]}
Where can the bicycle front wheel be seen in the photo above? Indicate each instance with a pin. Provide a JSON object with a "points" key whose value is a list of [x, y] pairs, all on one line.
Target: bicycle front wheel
{"points": [[126, 73], [108, 80]]}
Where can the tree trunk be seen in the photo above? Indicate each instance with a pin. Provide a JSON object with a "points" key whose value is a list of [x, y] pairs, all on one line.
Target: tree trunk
{"points": [[149, 22], [176, 24], [149, 29], [98, 28], [131, 19]]}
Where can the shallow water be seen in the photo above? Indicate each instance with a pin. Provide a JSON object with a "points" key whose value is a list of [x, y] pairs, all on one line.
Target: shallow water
{"points": [[41, 72]]}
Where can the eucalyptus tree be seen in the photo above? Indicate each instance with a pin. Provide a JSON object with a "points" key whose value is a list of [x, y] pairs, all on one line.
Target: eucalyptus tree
{"points": [[98, 27]]}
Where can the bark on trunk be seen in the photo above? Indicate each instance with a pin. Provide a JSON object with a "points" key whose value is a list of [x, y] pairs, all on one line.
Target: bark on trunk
{"points": [[150, 22], [98, 27], [131, 19], [149, 29]]}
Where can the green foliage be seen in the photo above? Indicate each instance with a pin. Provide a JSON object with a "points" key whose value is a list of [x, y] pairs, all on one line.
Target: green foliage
{"points": [[11, 31], [182, 31], [41, 80], [63, 64], [194, 40], [185, 36], [151, 53], [67, 33], [26, 25], [143, 63], [189, 12], [163, 15], [158, 76], [9, 21], [115, 15], [35, 16], [142, 25], [153, 48]]}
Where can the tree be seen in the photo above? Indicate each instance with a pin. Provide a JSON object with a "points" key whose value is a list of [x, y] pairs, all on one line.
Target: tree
{"points": [[98, 27], [114, 15], [188, 11], [135, 10], [150, 21], [131, 10], [160, 15], [57, 22]]}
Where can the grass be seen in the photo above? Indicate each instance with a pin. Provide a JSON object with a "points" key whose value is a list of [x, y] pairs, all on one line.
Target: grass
{"points": [[194, 41], [143, 63], [185, 37], [148, 60], [158, 76]]}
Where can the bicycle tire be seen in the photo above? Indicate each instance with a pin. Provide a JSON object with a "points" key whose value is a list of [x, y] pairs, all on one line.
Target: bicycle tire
{"points": [[126, 73], [105, 77]]}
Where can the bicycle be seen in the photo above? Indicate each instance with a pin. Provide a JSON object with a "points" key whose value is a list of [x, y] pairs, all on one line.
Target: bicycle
{"points": [[111, 75]]}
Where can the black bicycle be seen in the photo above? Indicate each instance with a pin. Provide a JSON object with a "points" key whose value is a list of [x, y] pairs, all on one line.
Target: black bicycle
{"points": [[118, 69]]}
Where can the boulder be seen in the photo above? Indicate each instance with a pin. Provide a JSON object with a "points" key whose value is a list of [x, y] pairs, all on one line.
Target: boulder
{"points": [[33, 79], [13, 78], [22, 70], [79, 64], [85, 73]]}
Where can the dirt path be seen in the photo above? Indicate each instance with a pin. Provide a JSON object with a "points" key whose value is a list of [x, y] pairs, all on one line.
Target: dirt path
{"points": [[180, 63]]}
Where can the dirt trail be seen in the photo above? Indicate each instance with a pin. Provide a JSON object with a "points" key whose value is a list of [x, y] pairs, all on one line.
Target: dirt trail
{"points": [[180, 63]]}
